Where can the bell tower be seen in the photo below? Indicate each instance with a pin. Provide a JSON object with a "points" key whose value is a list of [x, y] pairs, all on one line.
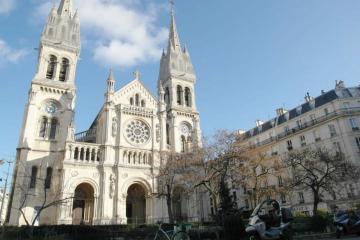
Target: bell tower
{"points": [[176, 86], [49, 113]]}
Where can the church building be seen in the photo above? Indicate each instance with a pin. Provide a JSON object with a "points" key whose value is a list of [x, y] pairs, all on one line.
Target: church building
{"points": [[107, 174]]}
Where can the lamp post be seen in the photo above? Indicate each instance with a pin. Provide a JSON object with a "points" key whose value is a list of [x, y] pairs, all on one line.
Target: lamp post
{"points": [[4, 193]]}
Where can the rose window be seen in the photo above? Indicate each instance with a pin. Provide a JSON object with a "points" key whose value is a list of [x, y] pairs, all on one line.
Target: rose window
{"points": [[137, 132]]}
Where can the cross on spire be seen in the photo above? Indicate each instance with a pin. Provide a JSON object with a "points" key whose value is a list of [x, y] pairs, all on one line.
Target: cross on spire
{"points": [[172, 4]]}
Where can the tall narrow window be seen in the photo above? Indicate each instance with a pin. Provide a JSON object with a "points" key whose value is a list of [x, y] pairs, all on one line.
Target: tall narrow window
{"points": [[354, 124], [332, 130], [187, 97], [50, 73], [137, 100], [301, 197], [142, 103], [289, 145], [43, 126], [167, 134], [49, 171], [167, 95], [183, 143], [280, 181], [64, 69], [303, 140], [179, 94], [131, 101], [33, 177], [53, 126], [76, 153]]}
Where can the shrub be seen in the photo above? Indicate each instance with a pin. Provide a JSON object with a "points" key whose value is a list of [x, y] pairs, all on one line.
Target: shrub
{"points": [[234, 227], [318, 223]]}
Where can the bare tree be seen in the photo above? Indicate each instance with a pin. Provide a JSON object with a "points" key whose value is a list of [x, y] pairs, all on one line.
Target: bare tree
{"points": [[217, 164], [41, 190], [173, 171], [320, 171]]}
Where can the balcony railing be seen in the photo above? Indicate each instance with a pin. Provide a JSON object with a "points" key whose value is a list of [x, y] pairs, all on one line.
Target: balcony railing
{"points": [[83, 152], [312, 122]]}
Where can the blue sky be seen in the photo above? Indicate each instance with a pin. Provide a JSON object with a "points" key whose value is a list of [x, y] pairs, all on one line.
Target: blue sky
{"points": [[250, 57]]}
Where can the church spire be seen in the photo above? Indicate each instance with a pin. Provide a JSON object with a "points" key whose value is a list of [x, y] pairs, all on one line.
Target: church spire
{"points": [[65, 8], [174, 41]]}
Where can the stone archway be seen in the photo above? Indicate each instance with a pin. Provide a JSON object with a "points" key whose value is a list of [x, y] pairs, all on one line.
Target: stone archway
{"points": [[83, 204], [136, 204]]}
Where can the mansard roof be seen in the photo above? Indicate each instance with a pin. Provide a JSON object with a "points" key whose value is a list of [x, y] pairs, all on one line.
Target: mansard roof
{"points": [[319, 101]]}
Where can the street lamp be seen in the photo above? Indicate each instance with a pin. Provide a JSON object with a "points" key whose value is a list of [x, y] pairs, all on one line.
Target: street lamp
{"points": [[4, 193]]}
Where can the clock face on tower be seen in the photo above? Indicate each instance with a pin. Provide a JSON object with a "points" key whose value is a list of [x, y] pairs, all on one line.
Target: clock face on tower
{"points": [[185, 129], [50, 108]]}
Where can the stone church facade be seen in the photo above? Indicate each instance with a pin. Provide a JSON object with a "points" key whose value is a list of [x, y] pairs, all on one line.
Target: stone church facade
{"points": [[107, 174]]}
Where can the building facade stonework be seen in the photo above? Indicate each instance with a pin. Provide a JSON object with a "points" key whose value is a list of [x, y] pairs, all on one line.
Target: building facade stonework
{"points": [[107, 174], [329, 121]]}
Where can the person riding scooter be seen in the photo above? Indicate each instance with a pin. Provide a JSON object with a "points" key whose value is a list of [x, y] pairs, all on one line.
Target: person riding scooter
{"points": [[270, 222]]}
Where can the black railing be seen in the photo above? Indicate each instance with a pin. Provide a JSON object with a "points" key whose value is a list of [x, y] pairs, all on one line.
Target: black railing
{"points": [[86, 136]]}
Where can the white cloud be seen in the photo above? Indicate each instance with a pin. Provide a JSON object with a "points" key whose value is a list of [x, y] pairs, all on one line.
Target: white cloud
{"points": [[7, 6], [8, 54], [120, 32]]}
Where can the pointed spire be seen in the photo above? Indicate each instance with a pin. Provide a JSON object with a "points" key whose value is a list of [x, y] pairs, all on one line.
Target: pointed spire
{"points": [[174, 41], [111, 75], [110, 82], [65, 8]]}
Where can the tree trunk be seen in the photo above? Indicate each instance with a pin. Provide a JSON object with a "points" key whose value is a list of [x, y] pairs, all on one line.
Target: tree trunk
{"points": [[169, 207], [316, 202]]}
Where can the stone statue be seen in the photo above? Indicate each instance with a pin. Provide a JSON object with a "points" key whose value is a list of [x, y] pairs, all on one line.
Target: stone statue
{"points": [[114, 126], [112, 185]]}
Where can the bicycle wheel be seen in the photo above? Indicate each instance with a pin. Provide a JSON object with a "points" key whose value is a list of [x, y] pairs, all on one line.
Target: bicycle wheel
{"points": [[180, 236], [153, 236]]}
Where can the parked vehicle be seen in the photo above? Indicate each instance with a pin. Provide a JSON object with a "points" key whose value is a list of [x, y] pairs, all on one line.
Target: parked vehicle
{"points": [[346, 223], [270, 222]]}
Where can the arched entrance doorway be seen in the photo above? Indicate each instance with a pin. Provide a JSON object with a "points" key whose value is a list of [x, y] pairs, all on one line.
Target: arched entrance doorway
{"points": [[179, 204], [83, 205], [136, 204]]}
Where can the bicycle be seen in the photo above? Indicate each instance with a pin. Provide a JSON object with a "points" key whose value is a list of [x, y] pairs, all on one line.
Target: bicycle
{"points": [[161, 234]]}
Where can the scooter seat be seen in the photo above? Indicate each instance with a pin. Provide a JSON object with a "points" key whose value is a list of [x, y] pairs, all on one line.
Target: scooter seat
{"points": [[273, 232]]}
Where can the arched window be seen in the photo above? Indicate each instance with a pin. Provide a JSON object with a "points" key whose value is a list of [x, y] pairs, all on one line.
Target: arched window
{"points": [[134, 160], [43, 126], [167, 134], [64, 70], [183, 143], [87, 155], [144, 158], [142, 103], [76, 153], [93, 155], [129, 158], [33, 177], [137, 100], [167, 95], [189, 144], [131, 101], [82, 154], [49, 171], [187, 97], [179, 94], [98, 155], [53, 126], [50, 73]]}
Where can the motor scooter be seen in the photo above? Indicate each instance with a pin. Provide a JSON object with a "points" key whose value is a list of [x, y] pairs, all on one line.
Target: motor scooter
{"points": [[346, 223], [270, 222]]}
